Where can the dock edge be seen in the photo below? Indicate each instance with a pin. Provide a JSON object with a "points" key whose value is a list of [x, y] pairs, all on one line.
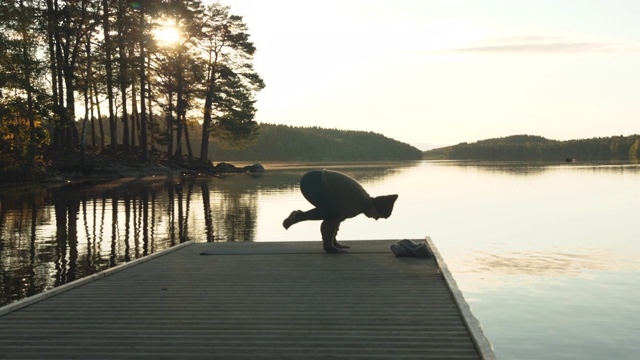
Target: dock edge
{"points": [[485, 349]]}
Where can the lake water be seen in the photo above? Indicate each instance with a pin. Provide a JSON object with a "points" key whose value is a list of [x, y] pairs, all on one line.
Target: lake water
{"points": [[547, 255]]}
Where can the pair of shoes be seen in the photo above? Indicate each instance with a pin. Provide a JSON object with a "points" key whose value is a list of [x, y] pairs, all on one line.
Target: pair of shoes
{"points": [[407, 247]]}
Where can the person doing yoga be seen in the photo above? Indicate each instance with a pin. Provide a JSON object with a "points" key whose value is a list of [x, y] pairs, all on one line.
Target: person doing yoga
{"points": [[337, 197]]}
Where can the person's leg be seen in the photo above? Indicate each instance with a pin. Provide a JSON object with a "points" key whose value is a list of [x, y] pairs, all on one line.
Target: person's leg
{"points": [[329, 229], [312, 190], [335, 242], [297, 216]]}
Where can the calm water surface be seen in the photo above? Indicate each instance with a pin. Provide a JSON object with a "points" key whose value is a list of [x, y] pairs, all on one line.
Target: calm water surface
{"points": [[547, 255]]}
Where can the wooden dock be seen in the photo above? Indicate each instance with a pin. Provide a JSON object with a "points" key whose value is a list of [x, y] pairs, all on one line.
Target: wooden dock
{"points": [[252, 300]]}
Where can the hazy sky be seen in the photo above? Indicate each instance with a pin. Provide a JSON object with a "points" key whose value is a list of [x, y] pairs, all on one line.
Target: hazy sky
{"points": [[448, 71]]}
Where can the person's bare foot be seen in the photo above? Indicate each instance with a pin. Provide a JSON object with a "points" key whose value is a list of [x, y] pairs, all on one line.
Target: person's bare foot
{"points": [[292, 219], [334, 250], [339, 246]]}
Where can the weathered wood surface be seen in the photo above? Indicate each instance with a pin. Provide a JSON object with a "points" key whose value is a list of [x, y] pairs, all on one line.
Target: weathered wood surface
{"points": [[264, 302]]}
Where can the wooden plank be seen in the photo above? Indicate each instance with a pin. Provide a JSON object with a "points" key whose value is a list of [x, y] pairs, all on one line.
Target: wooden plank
{"points": [[87, 279], [260, 304]]}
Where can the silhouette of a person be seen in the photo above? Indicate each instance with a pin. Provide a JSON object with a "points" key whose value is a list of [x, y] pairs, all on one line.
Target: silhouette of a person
{"points": [[337, 197]]}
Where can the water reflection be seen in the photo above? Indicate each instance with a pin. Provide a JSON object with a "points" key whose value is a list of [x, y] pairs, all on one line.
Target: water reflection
{"points": [[543, 263], [538, 168], [52, 236]]}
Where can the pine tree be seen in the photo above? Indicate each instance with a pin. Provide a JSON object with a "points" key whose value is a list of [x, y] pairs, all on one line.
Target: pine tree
{"points": [[229, 106]]}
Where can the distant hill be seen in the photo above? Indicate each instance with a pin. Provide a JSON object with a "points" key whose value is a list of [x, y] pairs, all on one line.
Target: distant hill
{"points": [[538, 148], [288, 143]]}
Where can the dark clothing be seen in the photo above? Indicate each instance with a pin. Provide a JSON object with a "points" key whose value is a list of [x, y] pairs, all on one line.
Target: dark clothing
{"points": [[314, 191], [334, 194]]}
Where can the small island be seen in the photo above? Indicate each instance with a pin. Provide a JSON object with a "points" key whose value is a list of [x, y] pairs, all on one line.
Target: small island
{"points": [[538, 148]]}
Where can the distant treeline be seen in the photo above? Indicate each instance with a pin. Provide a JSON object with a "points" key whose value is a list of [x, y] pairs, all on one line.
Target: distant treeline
{"points": [[287, 143], [537, 148]]}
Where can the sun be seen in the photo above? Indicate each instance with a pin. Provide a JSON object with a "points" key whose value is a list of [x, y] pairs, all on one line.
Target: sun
{"points": [[168, 34]]}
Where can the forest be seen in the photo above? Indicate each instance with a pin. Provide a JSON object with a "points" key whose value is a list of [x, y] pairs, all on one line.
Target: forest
{"points": [[122, 76], [537, 148], [288, 143], [291, 143]]}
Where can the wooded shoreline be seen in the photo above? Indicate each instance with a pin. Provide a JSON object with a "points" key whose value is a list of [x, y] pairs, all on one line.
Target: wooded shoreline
{"points": [[538, 148]]}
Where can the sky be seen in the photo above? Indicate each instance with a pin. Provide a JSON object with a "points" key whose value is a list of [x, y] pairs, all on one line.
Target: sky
{"points": [[443, 72]]}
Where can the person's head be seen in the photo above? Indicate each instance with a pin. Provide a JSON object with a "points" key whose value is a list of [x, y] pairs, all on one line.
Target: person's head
{"points": [[381, 206]]}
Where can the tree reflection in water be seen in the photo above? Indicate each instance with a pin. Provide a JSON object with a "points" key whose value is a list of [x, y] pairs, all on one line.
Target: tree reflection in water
{"points": [[49, 237]]}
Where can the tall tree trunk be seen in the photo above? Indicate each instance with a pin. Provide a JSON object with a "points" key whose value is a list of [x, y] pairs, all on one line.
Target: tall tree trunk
{"points": [[83, 134], [31, 153], [143, 80], [178, 154], [206, 124], [147, 122], [169, 122], [70, 112], [51, 39], [122, 77], [27, 74], [85, 91], [208, 106], [75, 29], [93, 118], [109, 73], [135, 122], [60, 130], [135, 116], [186, 137], [100, 122], [64, 78]]}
